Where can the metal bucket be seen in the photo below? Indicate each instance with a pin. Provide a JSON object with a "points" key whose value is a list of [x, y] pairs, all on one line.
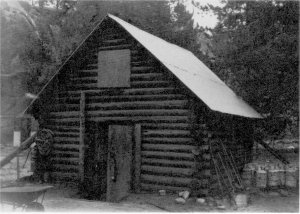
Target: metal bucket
{"points": [[241, 200], [291, 177], [248, 175], [261, 178], [273, 178]]}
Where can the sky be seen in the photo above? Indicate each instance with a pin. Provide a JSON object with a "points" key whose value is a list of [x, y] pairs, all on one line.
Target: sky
{"points": [[204, 19]]}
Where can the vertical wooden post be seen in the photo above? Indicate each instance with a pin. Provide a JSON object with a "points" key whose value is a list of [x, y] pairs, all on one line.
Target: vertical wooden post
{"points": [[81, 136], [137, 158], [18, 167]]}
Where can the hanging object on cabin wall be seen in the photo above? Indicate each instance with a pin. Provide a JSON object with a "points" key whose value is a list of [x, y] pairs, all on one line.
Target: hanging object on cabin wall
{"points": [[41, 155], [44, 141]]}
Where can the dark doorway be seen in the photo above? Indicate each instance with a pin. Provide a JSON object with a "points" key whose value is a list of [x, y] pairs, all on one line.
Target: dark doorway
{"points": [[95, 183]]}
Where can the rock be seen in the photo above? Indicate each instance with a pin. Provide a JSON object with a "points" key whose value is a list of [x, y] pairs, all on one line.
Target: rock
{"points": [[284, 193], [221, 207], [180, 201], [184, 194], [162, 192], [223, 203], [200, 200], [212, 203], [273, 193]]}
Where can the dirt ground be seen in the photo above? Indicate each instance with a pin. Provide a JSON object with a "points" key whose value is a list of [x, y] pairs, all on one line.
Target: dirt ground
{"points": [[65, 198]]}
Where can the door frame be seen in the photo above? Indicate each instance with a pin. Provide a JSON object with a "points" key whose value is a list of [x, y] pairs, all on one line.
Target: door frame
{"points": [[135, 184]]}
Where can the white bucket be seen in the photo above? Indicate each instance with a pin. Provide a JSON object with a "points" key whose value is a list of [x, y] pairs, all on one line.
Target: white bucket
{"points": [[273, 178], [291, 177], [248, 175], [241, 200], [261, 178]]}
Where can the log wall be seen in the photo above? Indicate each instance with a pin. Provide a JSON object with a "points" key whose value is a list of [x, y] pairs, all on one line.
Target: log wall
{"points": [[155, 100], [176, 138]]}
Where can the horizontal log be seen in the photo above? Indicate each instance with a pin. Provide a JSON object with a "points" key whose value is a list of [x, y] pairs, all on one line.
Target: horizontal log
{"points": [[124, 91], [155, 97], [65, 175], [141, 68], [64, 147], [63, 107], [163, 162], [174, 171], [167, 155], [66, 168], [66, 134], [113, 40], [144, 84], [140, 119], [147, 77], [84, 78], [156, 187], [166, 132], [118, 35], [83, 81], [170, 126], [141, 62], [162, 180], [138, 104], [90, 71], [68, 114], [59, 120], [167, 147], [170, 140], [66, 100], [114, 47], [63, 124], [65, 154], [73, 161], [137, 112]]}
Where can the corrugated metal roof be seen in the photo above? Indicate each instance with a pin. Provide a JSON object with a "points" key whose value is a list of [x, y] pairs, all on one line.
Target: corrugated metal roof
{"points": [[192, 73]]}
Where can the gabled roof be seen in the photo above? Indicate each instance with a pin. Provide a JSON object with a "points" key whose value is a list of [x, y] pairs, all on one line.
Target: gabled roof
{"points": [[191, 72]]}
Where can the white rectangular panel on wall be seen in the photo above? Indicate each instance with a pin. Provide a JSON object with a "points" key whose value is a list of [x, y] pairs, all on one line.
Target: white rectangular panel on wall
{"points": [[114, 68], [17, 138]]}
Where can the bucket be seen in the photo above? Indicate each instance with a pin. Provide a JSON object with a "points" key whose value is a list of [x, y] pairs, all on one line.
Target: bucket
{"points": [[291, 177], [248, 175], [261, 178], [281, 175], [241, 200], [273, 178]]}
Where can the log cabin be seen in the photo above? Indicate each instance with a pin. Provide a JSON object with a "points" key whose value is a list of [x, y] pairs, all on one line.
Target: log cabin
{"points": [[132, 112]]}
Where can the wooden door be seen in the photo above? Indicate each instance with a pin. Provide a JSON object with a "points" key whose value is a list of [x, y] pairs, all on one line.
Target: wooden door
{"points": [[119, 162]]}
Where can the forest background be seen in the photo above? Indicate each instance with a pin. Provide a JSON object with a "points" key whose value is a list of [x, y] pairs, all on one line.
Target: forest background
{"points": [[253, 48]]}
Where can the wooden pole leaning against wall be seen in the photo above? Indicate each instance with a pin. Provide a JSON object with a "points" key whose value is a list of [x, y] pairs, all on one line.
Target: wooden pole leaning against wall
{"points": [[24, 145], [81, 136]]}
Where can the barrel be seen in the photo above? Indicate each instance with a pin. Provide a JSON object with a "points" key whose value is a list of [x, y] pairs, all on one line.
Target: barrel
{"points": [[248, 174], [273, 177], [241, 200], [291, 177], [261, 178]]}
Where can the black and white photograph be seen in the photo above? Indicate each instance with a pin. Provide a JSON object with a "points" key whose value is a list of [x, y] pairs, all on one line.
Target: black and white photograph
{"points": [[149, 106]]}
